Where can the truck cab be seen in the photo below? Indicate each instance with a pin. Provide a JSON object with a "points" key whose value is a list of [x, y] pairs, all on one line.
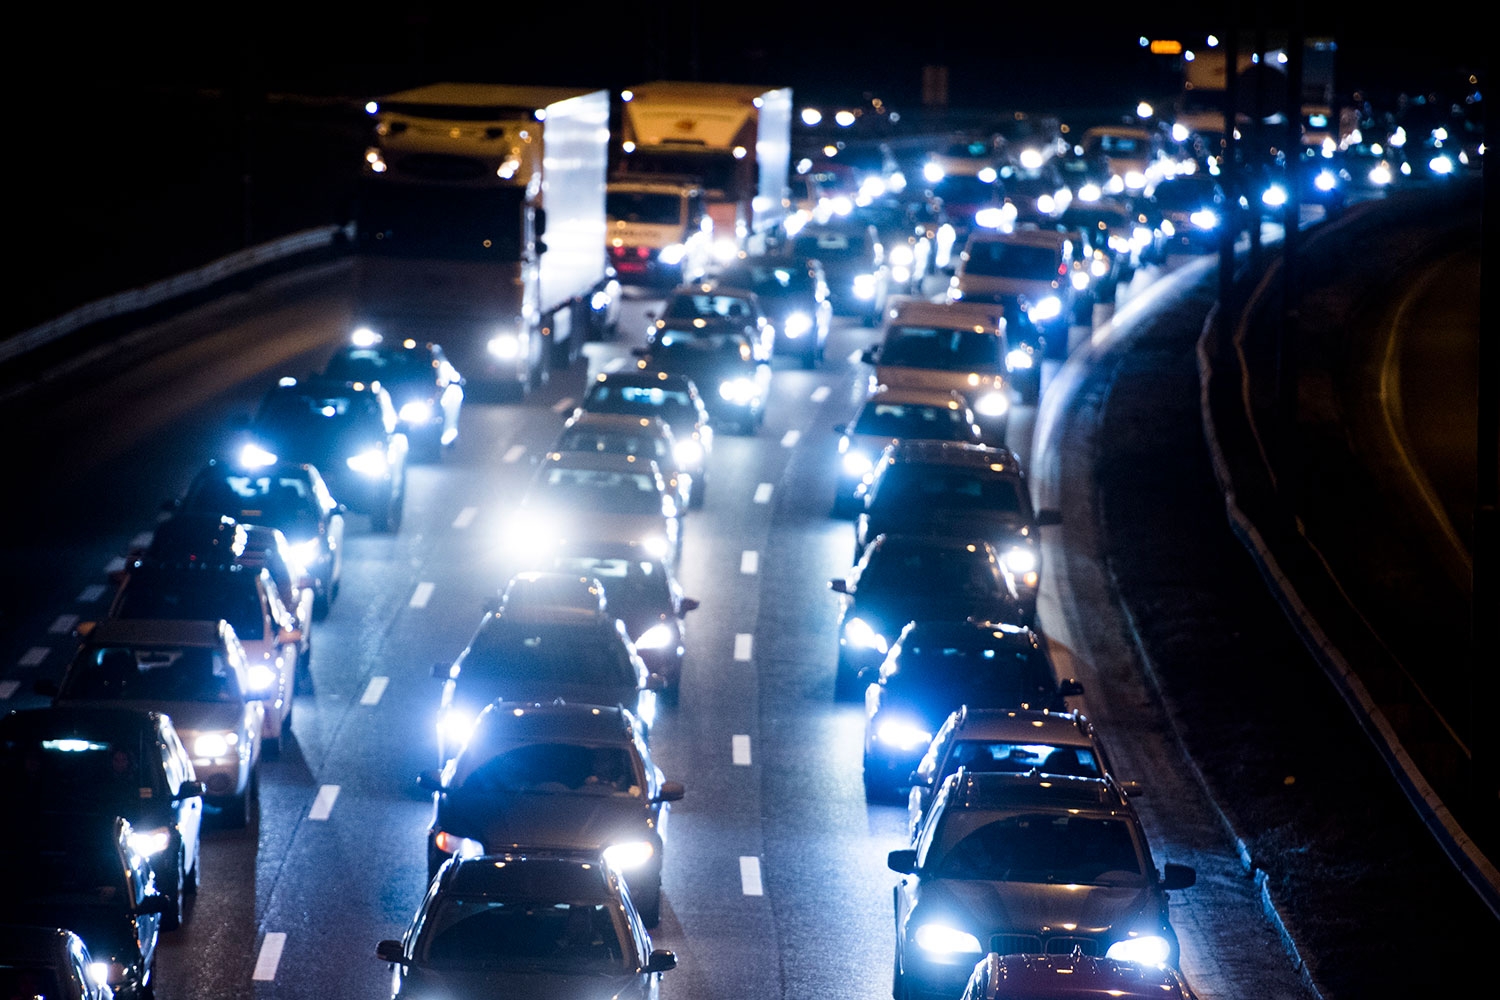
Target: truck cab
{"points": [[659, 233]]}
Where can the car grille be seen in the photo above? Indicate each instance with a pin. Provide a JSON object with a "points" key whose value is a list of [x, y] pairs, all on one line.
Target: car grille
{"points": [[1032, 944]]}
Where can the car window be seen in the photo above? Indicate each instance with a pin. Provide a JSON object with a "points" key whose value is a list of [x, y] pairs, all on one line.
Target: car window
{"points": [[150, 674], [917, 488], [560, 654], [923, 568], [996, 259], [1010, 756], [609, 490], [467, 932], [555, 768], [195, 595], [639, 399], [941, 348], [1042, 847], [901, 420]]}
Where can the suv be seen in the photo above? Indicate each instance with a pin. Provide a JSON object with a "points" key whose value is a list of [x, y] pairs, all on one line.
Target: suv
{"points": [[1045, 271], [1027, 864]]}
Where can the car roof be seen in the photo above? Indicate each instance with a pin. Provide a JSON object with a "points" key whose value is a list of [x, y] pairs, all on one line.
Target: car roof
{"points": [[576, 876], [1053, 728], [552, 597], [646, 378], [953, 316], [982, 790], [568, 721], [919, 451], [157, 632]]}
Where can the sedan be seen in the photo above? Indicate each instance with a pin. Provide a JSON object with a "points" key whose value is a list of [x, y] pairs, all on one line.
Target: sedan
{"points": [[674, 399], [559, 775], [425, 388], [529, 923], [733, 371], [795, 296], [626, 434], [889, 415]]}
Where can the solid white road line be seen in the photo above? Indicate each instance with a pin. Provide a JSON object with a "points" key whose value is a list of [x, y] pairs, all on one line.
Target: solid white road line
{"points": [[563, 405], [739, 749], [790, 439], [91, 593], [763, 493], [749, 877], [749, 562], [62, 624], [422, 594], [323, 802], [514, 454], [8, 688], [33, 657], [819, 394], [270, 956], [742, 646], [465, 517], [374, 690]]}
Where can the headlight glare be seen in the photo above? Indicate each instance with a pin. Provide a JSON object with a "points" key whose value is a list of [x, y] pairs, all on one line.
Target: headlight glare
{"points": [[214, 744], [416, 412], [1048, 308], [1019, 359], [944, 942], [630, 854], [1147, 949], [253, 456], [149, 843], [903, 734], [658, 636], [370, 462], [859, 634], [992, 404], [262, 678], [460, 847], [797, 324]]}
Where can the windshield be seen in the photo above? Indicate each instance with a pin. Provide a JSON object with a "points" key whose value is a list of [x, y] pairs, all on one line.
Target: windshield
{"points": [[940, 348], [645, 207], [608, 490], [557, 767], [78, 770], [148, 673], [1010, 756], [977, 676], [918, 488], [630, 585], [917, 569], [1043, 847], [995, 259], [279, 501], [390, 368], [708, 306], [557, 654], [615, 443], [669, 404], [405, 220], [482, 932], [912, 420]]}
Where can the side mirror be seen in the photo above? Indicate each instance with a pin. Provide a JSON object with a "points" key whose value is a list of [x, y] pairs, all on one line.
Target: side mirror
{"points": [[190, 790], [661, 961], [690, 604], [1048, 517], [839, 586], [903, 861], [671, 791], [390, 951], [430, 781], [1178, 877]]}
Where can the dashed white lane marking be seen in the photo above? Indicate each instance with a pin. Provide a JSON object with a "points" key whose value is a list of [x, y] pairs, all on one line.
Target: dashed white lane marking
{"points": [[422, 594], [91, 593], [563, 405], [465, 517], [33, 657], [763, 493], [323, 802], [742, 646], [615, 364], [269, 957], [142, 540], [819, 394], [739, 749], [749, 562], [8, 688], [514, 453], [749, 878], [374, 690], [115, 565], [790, 439], [62, 624]]}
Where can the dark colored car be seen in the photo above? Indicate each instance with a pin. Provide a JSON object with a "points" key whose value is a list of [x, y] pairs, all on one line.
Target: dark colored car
{"points": [[47, 962], [905, 578], [560, 775], [794, 294], [626, 434], [1027, 864], [1057, 977], [889, 415], [111, 760], [526, 924], [732, 370], [936, 668], [83, 874], [674, 399], [289, 497], [853, 262], [1189, 212], [425, 388], [349, 430]]}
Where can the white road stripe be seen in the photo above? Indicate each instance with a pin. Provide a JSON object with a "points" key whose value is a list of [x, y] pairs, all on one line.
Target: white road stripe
{"points": [[8, 688], [270, 957], [749, 878], [819, 394], [114, 565], [739, 749], [33, 657], [465, 517], [790, 439], [374, 690], [62, 624], [142, 540], [323, 803], [91, 593], [742, 646], [749, 562], [763, 493], [563, 405], [514, 454], [422, 594]]}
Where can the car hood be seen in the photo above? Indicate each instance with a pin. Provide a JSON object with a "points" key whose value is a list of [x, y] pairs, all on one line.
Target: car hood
{"points": [[421, 982], [477, 692], [894, 610], [556, 820], [984, 286], [189, 718], [1028, 907]]}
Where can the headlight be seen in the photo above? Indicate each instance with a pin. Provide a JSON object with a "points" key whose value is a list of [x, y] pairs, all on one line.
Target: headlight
{"points": [[454, 727], [506, 346], [1048, 308], [149, 843], [672, 255], [658, 636], [1080, 279], [740, 391], [992, 404], [1140, 237], [797, 324], [1205, 219], [214, 744], [99, 972], [262, 678], [857, 464], [864, 286], [1274, 196], [459, 847], [253, 456], [308, 552], [932, 172], [1019, 359], [370, 462], [989, 218], [630, 854], [1148, 949], [1020, 561], [1167, 229], [1090, 192], [946, 943], [416, 412], [1440, 165], [902, 256], [687, 452], [1119, 243], [858, 633], [1325, 181], [656, 546], [1380, 174], [902, 735]]}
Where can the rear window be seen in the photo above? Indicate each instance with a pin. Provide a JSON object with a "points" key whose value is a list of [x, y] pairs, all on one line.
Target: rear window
{"points": [[150, 674]]}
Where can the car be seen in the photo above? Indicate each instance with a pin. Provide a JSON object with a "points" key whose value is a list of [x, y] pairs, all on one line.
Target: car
{"points": [[937, 667], [1027, 864], [902, 578], [244, 596], [732, 365], [1189, 213], [953, 489], [626, 434], [126, 762], [558, 775], [1048, 741], [197, 674], [349, 430], [425, 388], [1045, 270], [1072, 977], [962, 348], [794, 294], [675, 400], [578, 499], [854, 265], [1115, 233], [890, 414], [290, 497], [526, 923], [49, 962], [1127, 157], [84, 875], [642, 591], [715, 307], [908, 227], [538, 653]]}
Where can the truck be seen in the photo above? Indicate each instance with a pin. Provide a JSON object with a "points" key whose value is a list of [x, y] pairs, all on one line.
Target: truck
{"points": [[735, 138], [659, 232], [479, 224]]}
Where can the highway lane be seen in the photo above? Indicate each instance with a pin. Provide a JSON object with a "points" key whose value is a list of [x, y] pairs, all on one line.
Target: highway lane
{"points": [[776, 883]]}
